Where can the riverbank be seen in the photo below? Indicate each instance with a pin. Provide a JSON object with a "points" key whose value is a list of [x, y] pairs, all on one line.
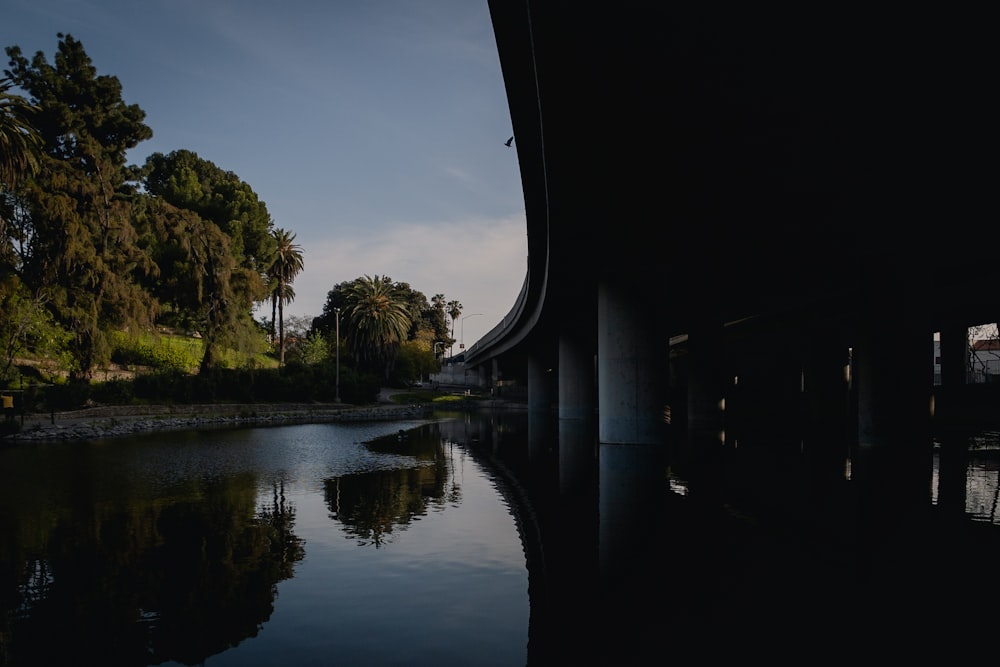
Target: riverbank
{"points": [[118, 420]]}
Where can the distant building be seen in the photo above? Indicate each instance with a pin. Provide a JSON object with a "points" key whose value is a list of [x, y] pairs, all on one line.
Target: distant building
{"points": [[983, 361]]}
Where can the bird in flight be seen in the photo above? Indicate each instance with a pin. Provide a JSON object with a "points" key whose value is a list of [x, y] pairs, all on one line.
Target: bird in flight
{"points": [[507, 143]]}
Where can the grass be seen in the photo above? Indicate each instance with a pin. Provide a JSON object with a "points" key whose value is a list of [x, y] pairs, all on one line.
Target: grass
{"points": [[178, 352], [436, 396], [140, 353]]}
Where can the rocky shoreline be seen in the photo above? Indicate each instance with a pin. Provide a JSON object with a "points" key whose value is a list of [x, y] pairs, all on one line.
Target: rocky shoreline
{"points": [[112, 421]]}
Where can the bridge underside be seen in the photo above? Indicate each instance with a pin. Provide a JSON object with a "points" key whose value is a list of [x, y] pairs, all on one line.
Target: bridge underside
{"points": [[762, 197]]}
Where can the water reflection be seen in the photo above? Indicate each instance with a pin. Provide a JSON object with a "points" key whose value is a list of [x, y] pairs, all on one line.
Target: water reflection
{"points": [[488, 539], [258, 547], [966, 476], [372, 505], [144, 581]]}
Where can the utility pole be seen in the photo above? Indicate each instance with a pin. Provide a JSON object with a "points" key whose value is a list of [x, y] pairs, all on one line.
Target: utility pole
{"points": [[336, 396]]}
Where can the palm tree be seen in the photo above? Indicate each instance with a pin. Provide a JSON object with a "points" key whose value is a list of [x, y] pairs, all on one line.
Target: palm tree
{"points": [[20, 143], [286, 263], [454, 310], [379, 319]]}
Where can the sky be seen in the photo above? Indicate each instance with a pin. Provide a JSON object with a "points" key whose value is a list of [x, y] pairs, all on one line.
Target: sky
{"points": [[373, 130]]}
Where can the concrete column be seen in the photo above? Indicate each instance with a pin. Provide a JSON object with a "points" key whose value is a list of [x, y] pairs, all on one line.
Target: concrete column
{"points": [[540, 381], [894, 375], [954, 356], [633, 369], [953, 460], [577, 403], [828, 428], [577, 454], [954, 350], [764, 401], [706, 384], [629, 505], [577, 377]]}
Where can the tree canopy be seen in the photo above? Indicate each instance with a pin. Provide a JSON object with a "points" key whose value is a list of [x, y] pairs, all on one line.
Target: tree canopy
{"points": [[378, 315], [104, 246], [91, 246], [82, 250]]}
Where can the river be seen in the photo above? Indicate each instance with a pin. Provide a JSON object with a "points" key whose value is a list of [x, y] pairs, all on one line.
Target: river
{"points": [[465, 539]]}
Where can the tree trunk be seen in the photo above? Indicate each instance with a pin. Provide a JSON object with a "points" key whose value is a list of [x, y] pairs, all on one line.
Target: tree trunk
{"points": [[281, 331]]}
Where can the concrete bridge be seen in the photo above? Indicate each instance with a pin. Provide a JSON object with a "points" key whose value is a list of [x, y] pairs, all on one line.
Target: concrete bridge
{"points": [[747, 216]]}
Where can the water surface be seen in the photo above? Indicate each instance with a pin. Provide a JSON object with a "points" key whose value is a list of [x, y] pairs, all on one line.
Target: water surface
{"points": [[306, 544]]}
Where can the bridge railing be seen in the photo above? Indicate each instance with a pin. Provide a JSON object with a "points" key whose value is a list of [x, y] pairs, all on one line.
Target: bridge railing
{"points": [[497, 332]]}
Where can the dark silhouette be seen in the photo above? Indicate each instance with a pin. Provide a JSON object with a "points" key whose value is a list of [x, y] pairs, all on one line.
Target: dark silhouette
{"points": [[507, 143]]}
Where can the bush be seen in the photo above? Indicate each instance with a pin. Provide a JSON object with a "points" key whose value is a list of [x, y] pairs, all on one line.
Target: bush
{"points": [[172, 353], [114, 392]]}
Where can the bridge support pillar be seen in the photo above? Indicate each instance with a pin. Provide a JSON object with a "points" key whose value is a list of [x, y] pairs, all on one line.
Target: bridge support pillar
{"points": [[894, 374], [577, 404], [948, 406], [954, 349], [630, 484], [827, 410], [633, 377], [577, 392], [540, 381], [706, 378]]}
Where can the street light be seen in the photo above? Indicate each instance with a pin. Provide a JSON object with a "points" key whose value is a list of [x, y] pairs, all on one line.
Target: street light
{"points": [[461, 345], [336, 396]]}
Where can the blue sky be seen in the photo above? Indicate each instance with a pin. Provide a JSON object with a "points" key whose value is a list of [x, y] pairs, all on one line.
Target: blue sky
{"points": [[372, 129]]}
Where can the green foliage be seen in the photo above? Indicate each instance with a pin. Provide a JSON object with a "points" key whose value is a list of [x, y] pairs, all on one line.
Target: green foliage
{"points": [[298, 383], [167, 387], [26, 328], [165, 353], [377, 316], [219, 248], [189, 182], [64, 396], [413, 362], [80, 245], [85, 254], [434, 396], [20, 142], [113, 392], [283, 266], [313, 349]]}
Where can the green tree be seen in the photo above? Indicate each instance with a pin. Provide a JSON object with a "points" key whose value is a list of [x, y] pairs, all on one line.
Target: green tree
{"points": [[437, 322], [427, 321], [379, 320], [20, 143], [233, 222], [26, 326], [314, 348], [454, 310], [286, 264], [188, 181], [82, 247], [196, 276]]}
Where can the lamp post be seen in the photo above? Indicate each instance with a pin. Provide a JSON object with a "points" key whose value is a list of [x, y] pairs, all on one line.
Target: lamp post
{"points": [[461, 344], [336, 396]]}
